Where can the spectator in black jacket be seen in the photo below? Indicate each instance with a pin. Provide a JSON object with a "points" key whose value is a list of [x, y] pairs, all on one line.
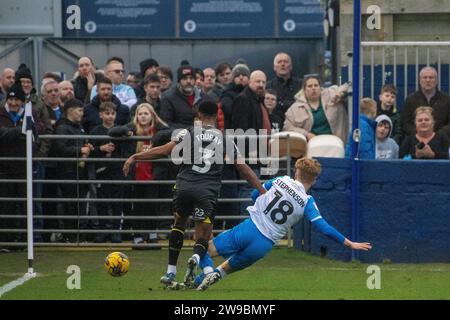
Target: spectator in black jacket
{"points": [[74, 170], [248, 112], [427, 95], [13, 144], [147, 67], [179, 108], [86, 79], [425, 143], [240, 77], [91, 117], [108, 171], [270, 102], [152, 87], [285, 85]]}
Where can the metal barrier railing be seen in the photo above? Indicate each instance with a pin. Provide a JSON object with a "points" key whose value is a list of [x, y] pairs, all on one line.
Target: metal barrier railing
{"points": [[86, 200], [405, 53]]}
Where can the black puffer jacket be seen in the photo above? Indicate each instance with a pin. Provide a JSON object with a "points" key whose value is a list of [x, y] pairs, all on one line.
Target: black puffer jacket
{"points": [[91, 117], [286, 91], [176, 111], [67, 148], [228, 95], [246, 111]]}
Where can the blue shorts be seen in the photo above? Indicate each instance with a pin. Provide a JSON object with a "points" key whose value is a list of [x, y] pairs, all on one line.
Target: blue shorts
{"points": [[243, 245]]}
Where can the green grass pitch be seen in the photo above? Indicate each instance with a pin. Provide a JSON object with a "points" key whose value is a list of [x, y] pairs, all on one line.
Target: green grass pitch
{"points": [[285, 274]]}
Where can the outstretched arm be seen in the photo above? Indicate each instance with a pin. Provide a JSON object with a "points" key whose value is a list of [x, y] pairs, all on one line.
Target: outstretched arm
{"points": [[312, 214], [247, 173], [267, 185], [322, 226], [152, 154]]}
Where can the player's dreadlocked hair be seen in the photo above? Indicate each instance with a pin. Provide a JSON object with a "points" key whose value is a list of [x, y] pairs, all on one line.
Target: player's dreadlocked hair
{"points": [[309, 169]]}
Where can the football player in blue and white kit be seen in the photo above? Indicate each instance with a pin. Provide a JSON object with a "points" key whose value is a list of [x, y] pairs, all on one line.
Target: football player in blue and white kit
{"points": [[198, 186], [285, 203]]}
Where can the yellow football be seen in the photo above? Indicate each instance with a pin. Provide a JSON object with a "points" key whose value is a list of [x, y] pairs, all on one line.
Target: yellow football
{"points": [[117, 264]]}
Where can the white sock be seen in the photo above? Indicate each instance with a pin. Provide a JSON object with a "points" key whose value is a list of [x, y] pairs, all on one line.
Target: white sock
{"points": [[222, 272], [207, 270], [197, 258], [172, 269]]}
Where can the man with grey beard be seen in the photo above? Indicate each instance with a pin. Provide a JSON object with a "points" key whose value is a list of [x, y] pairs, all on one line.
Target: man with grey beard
{"points": [[179, 108]]}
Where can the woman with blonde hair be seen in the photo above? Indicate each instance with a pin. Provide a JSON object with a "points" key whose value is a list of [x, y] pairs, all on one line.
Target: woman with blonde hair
{"points": [[426, 143], [147, 123], [318, 110]]}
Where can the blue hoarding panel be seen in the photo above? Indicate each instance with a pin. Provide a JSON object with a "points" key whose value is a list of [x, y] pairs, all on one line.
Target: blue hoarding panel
{"points": [[119, 18], [300, 18], [227, 19]]}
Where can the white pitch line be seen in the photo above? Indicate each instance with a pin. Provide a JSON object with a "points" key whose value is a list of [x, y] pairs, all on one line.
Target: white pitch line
{"points": [[14, 284]]}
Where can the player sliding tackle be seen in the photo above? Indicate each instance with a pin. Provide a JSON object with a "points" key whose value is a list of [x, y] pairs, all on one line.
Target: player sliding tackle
{"points": [[272, 215], [198, 186]]}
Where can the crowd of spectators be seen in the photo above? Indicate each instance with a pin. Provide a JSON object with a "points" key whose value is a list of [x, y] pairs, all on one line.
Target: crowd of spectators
{"points": [[151, 102]]}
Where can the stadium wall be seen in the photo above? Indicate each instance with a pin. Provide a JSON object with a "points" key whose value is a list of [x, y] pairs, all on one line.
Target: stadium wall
{"points": [[404, 211]]}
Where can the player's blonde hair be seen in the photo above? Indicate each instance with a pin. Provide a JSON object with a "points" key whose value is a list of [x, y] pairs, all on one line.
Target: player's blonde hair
{"points": [[309, 169]]}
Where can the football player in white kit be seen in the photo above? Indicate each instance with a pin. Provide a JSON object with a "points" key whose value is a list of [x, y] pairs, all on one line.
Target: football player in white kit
{"points": [[272, 215]]}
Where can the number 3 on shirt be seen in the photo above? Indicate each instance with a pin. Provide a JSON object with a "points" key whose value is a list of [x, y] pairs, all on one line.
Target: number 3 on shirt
{"points": [[280, 214], [207, 154]]}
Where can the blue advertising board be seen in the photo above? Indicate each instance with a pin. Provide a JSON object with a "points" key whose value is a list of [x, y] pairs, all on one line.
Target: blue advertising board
{"points": [[227, 19], [119, 18], [195, 19], [300, 18]]}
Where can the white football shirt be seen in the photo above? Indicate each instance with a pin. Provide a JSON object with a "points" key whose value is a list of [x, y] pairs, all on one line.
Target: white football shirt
{"points": [[282, 206]]}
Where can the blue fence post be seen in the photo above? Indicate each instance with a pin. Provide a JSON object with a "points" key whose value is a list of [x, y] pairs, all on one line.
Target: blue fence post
{"points": [[355, 124]]}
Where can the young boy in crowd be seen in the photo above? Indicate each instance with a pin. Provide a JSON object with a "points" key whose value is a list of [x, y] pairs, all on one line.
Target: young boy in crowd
{"points": [[367, 125], [386, 148], [386, 106], [108, 171]]}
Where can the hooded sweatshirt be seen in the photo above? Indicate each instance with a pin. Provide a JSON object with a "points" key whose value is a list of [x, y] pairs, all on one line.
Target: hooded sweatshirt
{"points": [[386, 148]]}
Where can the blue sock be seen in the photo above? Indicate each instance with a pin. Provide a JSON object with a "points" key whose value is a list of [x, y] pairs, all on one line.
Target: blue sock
{"points": [[206, 262]]}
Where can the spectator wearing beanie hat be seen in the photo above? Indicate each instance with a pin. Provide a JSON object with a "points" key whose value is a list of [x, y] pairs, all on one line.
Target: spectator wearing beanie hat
{"points": [[16, 91], [13, 144], [147, 67], [179, 107], [240, 79], [240, 69], [24, 79]]}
